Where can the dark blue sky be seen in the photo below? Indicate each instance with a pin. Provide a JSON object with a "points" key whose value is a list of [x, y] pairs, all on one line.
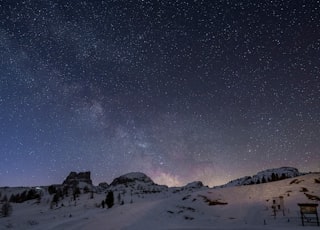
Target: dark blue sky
{"points": [[180, 90]]}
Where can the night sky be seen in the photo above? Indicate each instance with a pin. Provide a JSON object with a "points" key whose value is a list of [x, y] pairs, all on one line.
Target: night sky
{"points": [[180, 90]]}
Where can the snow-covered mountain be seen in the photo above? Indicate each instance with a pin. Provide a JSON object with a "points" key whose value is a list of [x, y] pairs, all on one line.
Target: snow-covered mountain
{"points": [[190, 187], [194, 185], [81, 179], [265, 176], [197, 207], [136, 182], [132, 178]]}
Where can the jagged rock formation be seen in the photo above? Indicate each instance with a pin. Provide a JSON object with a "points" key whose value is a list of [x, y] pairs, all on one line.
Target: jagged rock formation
{"points": [[265, 176], [74, 179]]}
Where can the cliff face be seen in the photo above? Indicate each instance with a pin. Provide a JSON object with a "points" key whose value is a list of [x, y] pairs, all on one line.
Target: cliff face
{"points": [[75, 178]]}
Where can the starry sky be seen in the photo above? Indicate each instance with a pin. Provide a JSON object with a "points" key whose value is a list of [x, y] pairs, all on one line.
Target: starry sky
{"points": [[180, 90]]}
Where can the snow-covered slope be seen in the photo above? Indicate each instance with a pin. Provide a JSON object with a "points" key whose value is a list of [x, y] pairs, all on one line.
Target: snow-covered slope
{"points": [[237, 207], [265, 176]]}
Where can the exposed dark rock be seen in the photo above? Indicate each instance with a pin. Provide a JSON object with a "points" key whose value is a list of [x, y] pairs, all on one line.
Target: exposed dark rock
{"points": [[136, 182], [194, 185], [132, 177], [75, 178], [103, 185]]}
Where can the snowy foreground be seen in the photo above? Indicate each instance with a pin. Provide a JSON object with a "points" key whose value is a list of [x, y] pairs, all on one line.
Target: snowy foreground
{"points": [[242, 207]]}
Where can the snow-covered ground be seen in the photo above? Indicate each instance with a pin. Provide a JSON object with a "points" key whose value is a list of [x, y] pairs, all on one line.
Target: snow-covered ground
{"points": [[239, 207]]}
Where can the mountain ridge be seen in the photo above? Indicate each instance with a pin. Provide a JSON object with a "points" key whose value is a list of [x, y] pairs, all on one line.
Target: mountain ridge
{"points": [[265, 176], [229, 208]]}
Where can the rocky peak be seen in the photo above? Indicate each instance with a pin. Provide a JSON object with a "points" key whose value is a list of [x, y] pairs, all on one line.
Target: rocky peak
{"points": [[132, 177], [136, 183], [103, 185], [75, 178], [194, 185]]}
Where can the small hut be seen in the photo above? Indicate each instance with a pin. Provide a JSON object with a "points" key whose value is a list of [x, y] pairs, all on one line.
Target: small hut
{"points": [[308, 212]]}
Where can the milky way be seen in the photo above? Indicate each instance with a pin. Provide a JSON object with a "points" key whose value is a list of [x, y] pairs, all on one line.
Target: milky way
{"points": [[179, 90]]}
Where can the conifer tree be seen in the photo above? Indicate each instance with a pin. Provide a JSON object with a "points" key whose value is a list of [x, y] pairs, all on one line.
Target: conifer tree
{"points": [[102, 204], [119, 198], [5, 198], [55, 199], [6, 209], [110, 199]]}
